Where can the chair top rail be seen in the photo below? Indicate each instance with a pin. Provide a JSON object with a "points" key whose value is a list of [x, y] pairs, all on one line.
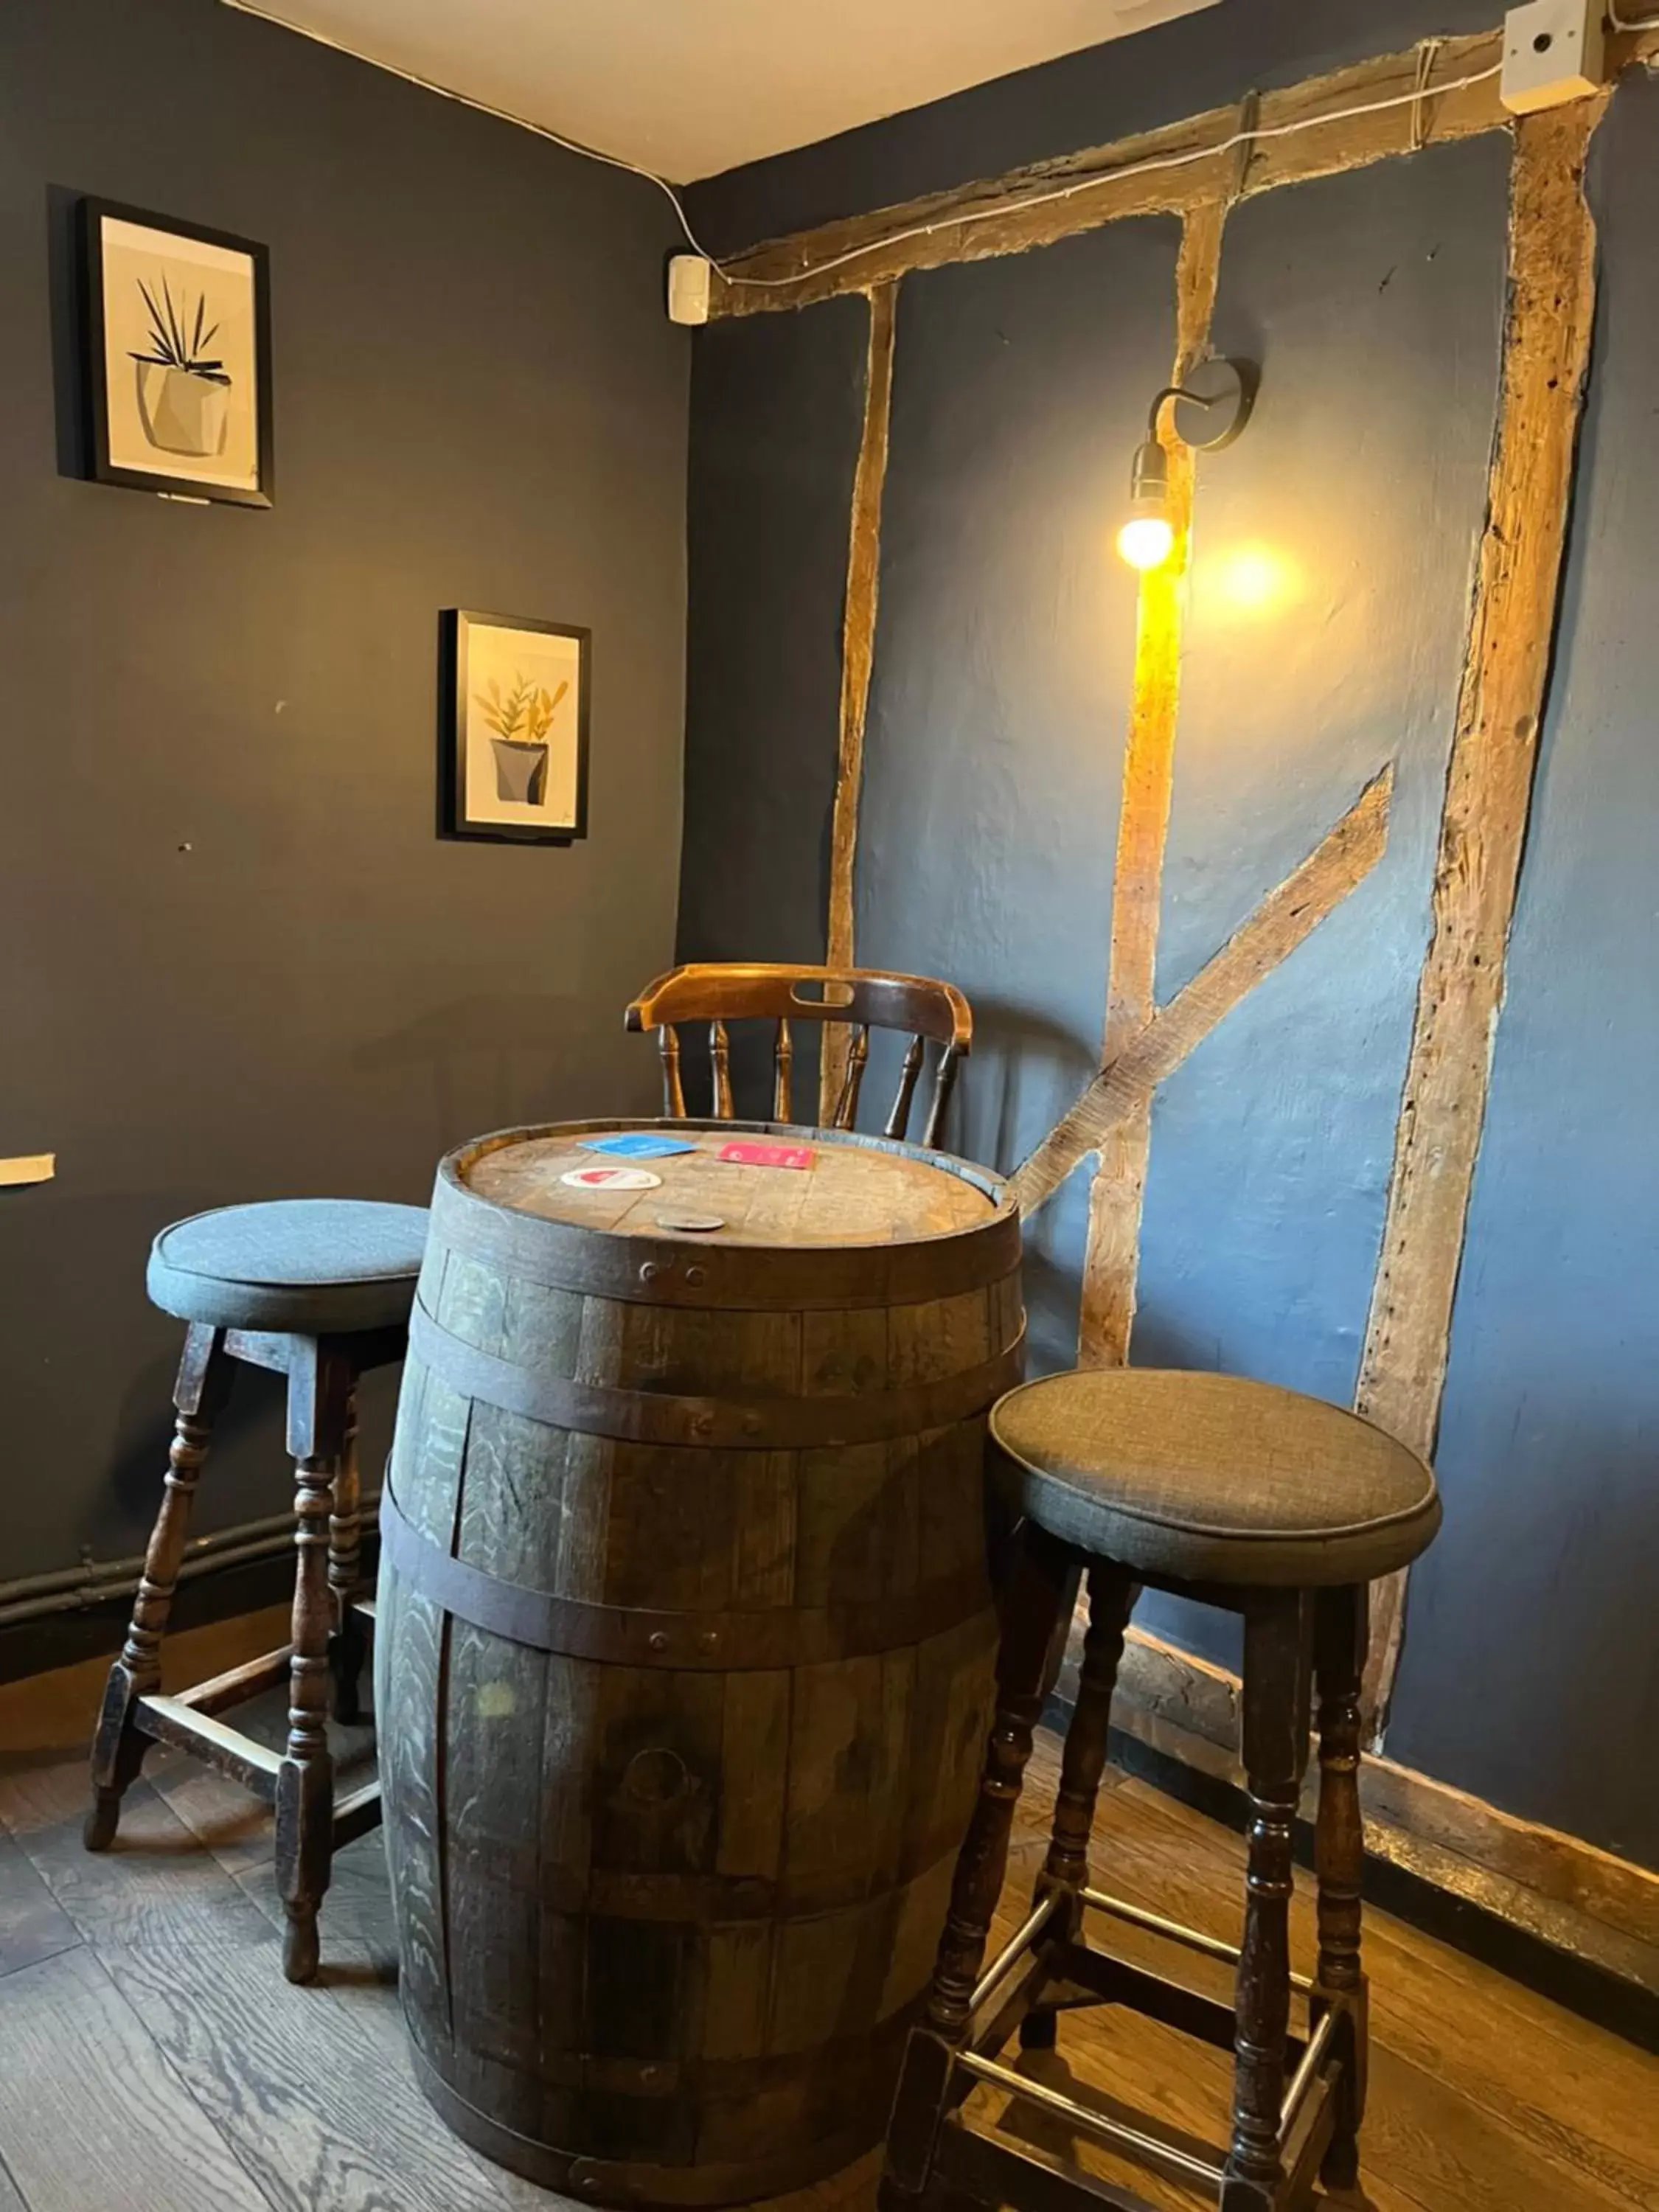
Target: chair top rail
{"points": [[721, 991]]}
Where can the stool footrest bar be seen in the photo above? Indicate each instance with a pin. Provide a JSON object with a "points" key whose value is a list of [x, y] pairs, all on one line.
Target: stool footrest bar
{"points": [[1119, 1908], [1082, 1975], [1313, 2052], [238, 1683], [1038, 1918], [356, 1813], [1154, 2150], [168, 1720], [989, 2173]]}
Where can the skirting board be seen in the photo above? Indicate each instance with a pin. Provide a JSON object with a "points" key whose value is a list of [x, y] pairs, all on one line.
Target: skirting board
{"points": [[221, 1592], [1585, 1903]]}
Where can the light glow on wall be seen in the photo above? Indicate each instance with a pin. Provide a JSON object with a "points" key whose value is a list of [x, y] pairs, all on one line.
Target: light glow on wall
{"points": [[1254, 580]]}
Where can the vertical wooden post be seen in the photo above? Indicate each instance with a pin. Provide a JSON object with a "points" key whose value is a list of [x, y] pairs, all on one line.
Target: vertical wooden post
{"points": [[857, 656], [1278, 1669], [1547, 344], [1339, 1863], [319, 1402], [203, 1382], [1119, 1187]]}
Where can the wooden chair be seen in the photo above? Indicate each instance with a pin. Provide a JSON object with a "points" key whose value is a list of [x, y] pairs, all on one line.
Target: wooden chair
{"points": [[866, 997], [1271, 1505]]}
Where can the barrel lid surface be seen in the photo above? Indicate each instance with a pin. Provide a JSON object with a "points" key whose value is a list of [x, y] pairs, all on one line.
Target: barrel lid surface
{"points": [[855, 1192]]}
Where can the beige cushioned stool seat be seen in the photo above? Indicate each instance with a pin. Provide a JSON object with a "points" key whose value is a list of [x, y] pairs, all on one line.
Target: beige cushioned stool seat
{"points": [[1208, 1477]]}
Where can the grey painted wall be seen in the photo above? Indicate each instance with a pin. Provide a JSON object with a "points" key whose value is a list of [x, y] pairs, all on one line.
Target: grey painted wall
{"points": [[1004, 652], [237, 963], [1375, 311], [780, 403], [1373, 301]]}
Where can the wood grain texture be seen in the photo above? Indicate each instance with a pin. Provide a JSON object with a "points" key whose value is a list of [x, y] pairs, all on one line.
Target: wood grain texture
{"points": [[850, 1195], [157, 1886], [140, 2140], [1546, 345], [1055, 199], [1286, 916], [311, 2089], [1116, 1196], [33, 1925], [666, 1900], [1582, 1900], [857, 656], [1483, 2095]]}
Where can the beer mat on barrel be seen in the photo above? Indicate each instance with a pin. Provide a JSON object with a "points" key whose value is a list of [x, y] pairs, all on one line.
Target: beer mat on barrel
{"points": [[850, 1194], [611, 1179], [768, 1156], [638, 1145]]}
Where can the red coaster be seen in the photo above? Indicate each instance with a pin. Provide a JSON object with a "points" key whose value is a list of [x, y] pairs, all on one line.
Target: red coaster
{"points": [[768, 1156]]}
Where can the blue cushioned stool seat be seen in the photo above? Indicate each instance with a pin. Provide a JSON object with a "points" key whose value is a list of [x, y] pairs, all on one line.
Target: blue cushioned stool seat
{"points": [[314, 1267]]}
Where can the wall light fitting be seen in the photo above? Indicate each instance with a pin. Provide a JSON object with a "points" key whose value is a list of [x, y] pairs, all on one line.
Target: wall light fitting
{"points": [[1147, 537]]}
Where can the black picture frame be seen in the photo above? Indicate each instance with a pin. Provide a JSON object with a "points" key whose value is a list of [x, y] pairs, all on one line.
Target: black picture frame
{"points": [[456, 677], [101, 468]]}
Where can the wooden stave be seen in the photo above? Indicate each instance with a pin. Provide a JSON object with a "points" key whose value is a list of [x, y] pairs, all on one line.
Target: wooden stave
{"points": [[702, 2090]]}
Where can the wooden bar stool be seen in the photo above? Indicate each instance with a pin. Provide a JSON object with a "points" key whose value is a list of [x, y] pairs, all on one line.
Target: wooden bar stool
{"points": [[319, 1291], [1276, 1507]]}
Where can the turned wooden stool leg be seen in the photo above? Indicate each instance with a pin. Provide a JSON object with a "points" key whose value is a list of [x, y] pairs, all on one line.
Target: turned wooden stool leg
{"points": [[320, 1383], [347, 1643], [1277, 1626], [1111, 1598], [1031, 1608], [205, 1372], [1340, 1861]]}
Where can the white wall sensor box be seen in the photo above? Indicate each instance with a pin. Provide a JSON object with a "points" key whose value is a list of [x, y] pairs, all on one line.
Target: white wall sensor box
{"points": [[1553, 52], [688, 289]]}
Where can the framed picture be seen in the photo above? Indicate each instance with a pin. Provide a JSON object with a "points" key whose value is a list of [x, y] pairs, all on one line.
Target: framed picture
{"points": [[177, 326], [513, 728]]}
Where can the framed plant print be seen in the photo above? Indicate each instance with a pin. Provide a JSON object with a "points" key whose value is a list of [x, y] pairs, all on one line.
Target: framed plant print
{"points": [[513, 728], [177, 336]]}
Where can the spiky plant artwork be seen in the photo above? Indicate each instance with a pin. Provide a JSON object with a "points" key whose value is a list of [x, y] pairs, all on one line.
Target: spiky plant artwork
{"points": [[520, 720], [184, 391]]}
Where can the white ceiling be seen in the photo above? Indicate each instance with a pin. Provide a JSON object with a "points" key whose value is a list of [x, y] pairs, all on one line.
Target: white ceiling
{"points": [[688, 88]]}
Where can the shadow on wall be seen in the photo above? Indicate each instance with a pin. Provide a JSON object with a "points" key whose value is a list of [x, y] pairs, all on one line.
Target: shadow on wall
{"points": [[491, 1062], [252, 1422], [1026, 1072]]}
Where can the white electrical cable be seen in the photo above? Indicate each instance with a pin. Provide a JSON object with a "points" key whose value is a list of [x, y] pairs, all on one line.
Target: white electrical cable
{"points": [[483, 108], [1114, 176], [915, 230], [1642, 23]]}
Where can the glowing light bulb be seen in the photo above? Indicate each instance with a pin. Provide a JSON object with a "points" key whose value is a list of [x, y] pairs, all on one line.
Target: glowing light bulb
{"points": [[1146, 541]]}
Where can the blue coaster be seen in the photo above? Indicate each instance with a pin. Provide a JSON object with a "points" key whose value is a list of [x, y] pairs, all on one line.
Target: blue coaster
{"points": [[638, 1145]]}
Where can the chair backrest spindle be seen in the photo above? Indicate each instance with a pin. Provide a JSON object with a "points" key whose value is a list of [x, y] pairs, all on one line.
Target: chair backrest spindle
{"points": [[944, 1083], [861, 999], [858, 1053], [673, 1098], [783, 1060], [899, 1120], [720, 1053]]}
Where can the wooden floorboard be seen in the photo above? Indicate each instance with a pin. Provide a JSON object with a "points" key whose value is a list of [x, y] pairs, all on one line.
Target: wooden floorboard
{"points": [[310, 2087], [92, 2118], [33, 1925], [165, 2010]]}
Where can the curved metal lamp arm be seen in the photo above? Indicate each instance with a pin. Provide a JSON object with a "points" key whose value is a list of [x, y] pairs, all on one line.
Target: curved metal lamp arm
{"points": [[1242, 398]]}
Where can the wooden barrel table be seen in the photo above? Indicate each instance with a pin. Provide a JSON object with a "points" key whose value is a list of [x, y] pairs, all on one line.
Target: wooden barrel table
{"points": [[684, 1645]]}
